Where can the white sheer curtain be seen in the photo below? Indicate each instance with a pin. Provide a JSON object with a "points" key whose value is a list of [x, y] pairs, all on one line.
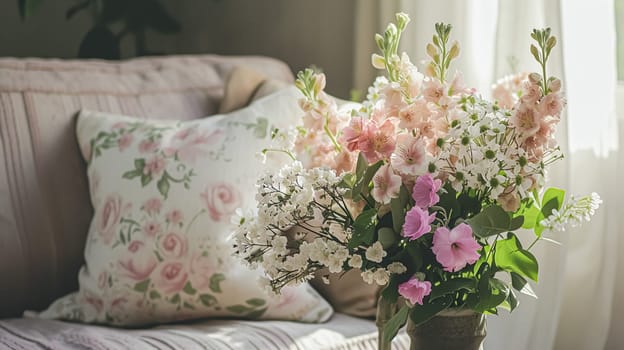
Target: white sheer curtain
{"points": [[577, 280]]}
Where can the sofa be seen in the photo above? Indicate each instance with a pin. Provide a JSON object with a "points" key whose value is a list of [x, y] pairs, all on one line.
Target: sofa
{"points": [[45, 210]]}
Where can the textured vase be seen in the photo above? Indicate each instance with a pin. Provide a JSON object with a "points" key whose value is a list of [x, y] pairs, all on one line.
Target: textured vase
{"points": [[449, 330]]}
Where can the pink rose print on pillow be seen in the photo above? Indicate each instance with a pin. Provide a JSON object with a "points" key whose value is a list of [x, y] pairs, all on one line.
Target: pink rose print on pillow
{"points": [[108, 218], [171, 277], [175, 216], [152, 206], [187, 143], [173, 245], [148, 146], [221, 200], [124, 142], [140, 263]]}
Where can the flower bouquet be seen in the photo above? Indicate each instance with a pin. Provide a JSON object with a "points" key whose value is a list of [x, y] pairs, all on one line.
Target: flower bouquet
{"points": [[424, 187]]}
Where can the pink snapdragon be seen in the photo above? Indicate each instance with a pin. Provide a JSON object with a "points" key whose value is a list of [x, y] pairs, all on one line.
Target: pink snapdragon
{"points": [[410, 116], [455, 248], [386, 184], [417, 223], [415, 289], [551, 104], [425, 192], [409, 157], [526, 120]]}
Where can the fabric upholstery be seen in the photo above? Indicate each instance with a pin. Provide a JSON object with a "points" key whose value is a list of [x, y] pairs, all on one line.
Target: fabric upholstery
{"points": [[44, 203], [342, 332]]}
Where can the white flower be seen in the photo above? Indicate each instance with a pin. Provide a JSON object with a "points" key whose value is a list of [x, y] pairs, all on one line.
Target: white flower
{"points": [[396, 268], [368, 276], [355, 261], [381, 276], [375, 253]]}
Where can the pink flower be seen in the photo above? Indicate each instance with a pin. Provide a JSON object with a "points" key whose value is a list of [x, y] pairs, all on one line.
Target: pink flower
{"points": [[155, 166], [140, 263], [188, 143], [148, 146], [455, 248], [171, 277], [377, 142], [551, 104], [417, 223], [173, 245], [531, 92], [393, 101], [351, 134], [503, 96], [124, 142], [201, 270], [525, 120], [510, 201], [411, 115], [152, 206], [221, 200], [386, 184], [415, 290], [151, 228], [425, 191], [433, 90], [108, 218], [409, 157], [175, 216]]}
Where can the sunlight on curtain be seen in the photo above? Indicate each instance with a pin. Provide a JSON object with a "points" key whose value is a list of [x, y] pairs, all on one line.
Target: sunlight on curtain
{"points": [[589, 62]]}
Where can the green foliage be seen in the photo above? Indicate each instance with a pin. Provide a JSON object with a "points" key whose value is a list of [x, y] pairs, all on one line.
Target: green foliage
{"points": [[28, 7], [398, 208], [142, 286], [422, 313], [494, 220], [391, 328], [452, 286], [364, 228], [215, 282], [510, 256]]}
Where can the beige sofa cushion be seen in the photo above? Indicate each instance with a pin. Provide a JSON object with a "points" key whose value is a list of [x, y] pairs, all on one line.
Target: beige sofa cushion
{"points": [[44, 204]]}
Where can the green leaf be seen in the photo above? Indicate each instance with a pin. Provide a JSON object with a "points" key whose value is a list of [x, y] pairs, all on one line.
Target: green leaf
{"points": [[391, 292], [520, 284], [535, 53], [364, 228], [131, 174], [142, 286], [239, 309], [510, 256], [154, 295], [255, 302], [361, 166], [511, 302], [449, 201], [256, 313], [398, 206], [530, 217], [387, 237], [28, 7], [145, 179], [491, 294], [491, 221], [392, 326], [188, 288], [163, 185], [139, 165], [207, 299], [422, 313], [77, 8], [188, 306], [516, 223], [260, 130], [452, 286], [175, 299], [215, 282], [361, 185]]}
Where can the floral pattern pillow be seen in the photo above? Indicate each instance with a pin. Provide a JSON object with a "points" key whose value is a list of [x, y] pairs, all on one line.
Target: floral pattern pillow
{"points": [[164, 195]]}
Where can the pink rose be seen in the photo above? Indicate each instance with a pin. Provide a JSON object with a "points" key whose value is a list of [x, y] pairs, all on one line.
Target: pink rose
{"points": [[148, 146], [139, 263], [155, 166], [124, 142], [152, 206], [173, 245], [201, 270], [417, 223], [188, 144], [415, 289], [425, 192], [119, 125], [175, 216], [221, 199], [108, 218], [151, 228], [455, 248], [171, 277]]}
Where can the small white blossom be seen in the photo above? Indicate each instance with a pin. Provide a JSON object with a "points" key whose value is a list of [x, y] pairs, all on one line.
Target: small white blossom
{"points": [[396, 268], [355, 261], [375, 253]]}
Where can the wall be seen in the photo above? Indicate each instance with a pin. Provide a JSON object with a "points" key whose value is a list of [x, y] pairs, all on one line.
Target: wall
{"points": [[299, 32]]}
